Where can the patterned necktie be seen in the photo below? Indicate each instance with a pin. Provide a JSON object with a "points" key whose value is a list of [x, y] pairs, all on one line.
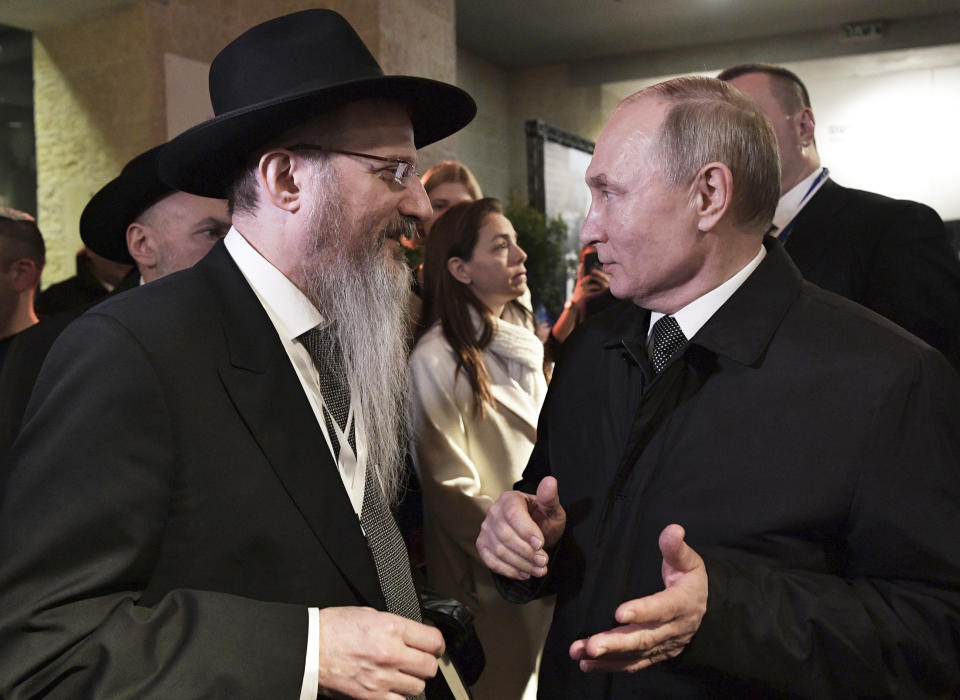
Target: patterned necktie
{"points": [[667, 339], [325, 350], [383, 536]]}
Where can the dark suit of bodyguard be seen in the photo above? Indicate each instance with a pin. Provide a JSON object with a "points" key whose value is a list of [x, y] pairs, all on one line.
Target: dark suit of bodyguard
{"points": [[173, 508], [808, 447], [892, 256]]}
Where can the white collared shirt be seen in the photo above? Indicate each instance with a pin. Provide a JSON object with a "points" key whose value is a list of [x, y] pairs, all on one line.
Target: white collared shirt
{"points": [[292, 314], [692, 316], [792, 202]]}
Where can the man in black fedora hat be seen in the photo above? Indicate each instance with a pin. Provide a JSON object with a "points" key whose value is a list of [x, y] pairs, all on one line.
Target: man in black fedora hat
{"points": [[214, 522], [138, 219]]}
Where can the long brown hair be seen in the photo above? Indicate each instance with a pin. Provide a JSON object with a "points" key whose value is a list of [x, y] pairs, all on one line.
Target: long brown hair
{"points": [[454, 235]]}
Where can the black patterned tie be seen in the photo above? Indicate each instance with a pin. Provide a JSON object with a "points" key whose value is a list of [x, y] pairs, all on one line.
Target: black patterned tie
{"points": [[383, 536], [667, 339], [325, 350]]}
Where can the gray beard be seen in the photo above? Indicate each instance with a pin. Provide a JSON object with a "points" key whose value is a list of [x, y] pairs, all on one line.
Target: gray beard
{"points": [[354, 279]]}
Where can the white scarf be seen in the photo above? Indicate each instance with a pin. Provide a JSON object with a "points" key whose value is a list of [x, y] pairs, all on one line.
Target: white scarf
{"points": [[520, 352]]}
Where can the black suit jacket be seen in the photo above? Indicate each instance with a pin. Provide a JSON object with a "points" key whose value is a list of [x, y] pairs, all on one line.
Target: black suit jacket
{"points": [[892, 256], [27, 352], [172, 507], [810, 448]]}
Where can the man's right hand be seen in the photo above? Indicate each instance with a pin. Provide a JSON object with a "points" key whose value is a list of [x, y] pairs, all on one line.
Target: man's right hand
{"points": [[365, 653], [518, 529]]}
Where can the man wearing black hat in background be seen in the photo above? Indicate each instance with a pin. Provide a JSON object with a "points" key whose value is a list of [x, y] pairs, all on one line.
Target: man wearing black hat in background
{"points": [[214, 522], [134, 219]]}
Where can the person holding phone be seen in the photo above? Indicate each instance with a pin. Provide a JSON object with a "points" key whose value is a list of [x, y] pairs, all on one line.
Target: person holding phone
{"points": [[591, 294]]}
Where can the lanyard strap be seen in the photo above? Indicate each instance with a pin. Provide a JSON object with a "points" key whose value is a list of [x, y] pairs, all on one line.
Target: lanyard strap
{"points": [[785, 232]]}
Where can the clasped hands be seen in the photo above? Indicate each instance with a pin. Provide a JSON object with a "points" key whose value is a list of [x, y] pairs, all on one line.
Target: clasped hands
{"points": [[519, 529]]}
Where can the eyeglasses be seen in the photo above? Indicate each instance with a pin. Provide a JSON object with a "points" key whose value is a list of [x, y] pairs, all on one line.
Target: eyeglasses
{"points": [[400, 170]]}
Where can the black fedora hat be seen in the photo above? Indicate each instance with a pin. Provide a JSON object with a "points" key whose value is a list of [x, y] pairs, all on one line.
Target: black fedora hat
{"points": [[104, 221], [283, 72]]}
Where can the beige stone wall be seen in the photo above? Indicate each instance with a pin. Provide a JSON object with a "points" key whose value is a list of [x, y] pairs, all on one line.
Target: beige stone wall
{"points": [[95, 106], [494, 146], [417, 37], [99, 85], [484, 144], [544, 93]]}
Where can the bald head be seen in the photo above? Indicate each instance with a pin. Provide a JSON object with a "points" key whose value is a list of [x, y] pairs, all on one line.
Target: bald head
{"points": [[785, 101], [175, 233]]}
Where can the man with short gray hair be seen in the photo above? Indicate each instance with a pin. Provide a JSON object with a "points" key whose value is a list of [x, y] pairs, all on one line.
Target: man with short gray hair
{"points": [[765, 504]]}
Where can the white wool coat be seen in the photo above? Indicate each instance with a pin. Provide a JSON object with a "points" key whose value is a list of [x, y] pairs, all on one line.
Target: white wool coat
{"points": [[464, 462]]}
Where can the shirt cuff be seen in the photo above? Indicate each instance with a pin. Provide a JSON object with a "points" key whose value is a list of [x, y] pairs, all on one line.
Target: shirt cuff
{"points": [[311, 668]]}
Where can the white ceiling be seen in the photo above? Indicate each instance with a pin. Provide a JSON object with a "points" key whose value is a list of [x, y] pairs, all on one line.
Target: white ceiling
{"points": [[610, 40], [523, 33], [863, 65]]}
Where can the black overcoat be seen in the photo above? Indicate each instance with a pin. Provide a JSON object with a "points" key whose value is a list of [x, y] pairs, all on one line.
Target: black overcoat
{"points": [[172, 507], [810, 448]]}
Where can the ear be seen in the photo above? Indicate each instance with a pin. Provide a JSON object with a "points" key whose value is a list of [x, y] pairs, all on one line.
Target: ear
{"points": [[805, 125], [142, 245], [25, 274], [458, 268], [280, 174], [713, 191]]}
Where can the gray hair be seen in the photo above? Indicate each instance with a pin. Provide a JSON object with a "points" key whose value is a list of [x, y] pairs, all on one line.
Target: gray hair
{"points": [[709, 121]]}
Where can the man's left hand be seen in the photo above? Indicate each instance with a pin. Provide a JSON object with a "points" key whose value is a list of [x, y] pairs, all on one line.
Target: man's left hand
{"points": [[656, 627]]}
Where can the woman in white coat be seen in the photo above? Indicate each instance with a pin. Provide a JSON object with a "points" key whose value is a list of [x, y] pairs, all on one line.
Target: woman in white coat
{"points": [[478, 386]]}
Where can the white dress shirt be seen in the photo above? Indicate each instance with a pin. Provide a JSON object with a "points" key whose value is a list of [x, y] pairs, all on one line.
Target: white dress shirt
{"points": [[792, 202], [293, 314], [692, 316]]}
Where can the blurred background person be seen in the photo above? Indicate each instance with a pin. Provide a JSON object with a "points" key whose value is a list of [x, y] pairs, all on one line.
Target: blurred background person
{"points": [[591, 294], [22, 256], [96, 277], [478, 386], [447, 183]]}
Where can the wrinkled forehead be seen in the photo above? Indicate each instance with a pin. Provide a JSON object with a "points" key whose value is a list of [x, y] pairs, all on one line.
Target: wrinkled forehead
{"points": [[625, 142]]}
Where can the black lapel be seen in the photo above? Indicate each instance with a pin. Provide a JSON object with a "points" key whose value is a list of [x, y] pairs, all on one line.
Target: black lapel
{"points": [[744, 326], [268, 396], [812, 234]]}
